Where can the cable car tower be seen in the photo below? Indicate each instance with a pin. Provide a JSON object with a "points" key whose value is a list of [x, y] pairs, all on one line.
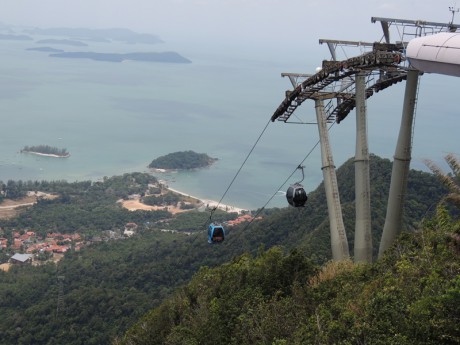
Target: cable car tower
{"points": [[411, 29], [337, 88]]}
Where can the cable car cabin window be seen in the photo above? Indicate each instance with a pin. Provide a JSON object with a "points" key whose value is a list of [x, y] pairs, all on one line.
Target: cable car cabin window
{"points": [[216, 233], [296, 195]]}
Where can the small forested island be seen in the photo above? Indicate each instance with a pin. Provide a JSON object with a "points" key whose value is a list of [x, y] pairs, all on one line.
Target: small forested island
{"points": [[46, 50], [46, 150], [182, 160], [63, 42], [15, 37]]}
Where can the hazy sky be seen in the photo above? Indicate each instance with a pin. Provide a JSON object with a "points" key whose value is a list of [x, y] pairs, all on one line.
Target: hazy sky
{"points": [[254, 21]]}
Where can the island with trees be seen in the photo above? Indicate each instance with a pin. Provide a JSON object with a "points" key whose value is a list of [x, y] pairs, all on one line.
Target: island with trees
{"points": [[13, 37], [73, 43], [46, 50], [182, 160], [46, 150]]}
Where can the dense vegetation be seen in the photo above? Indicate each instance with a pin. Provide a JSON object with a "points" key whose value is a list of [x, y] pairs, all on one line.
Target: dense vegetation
{"points": [[46, 149], [87, 207], [163, 199], [182, 160], [108, 286], [412, 296]]}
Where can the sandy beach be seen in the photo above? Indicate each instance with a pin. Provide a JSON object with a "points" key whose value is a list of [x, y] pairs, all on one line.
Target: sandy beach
{"points": [[136, 204], [207, 202], [46, 154]]}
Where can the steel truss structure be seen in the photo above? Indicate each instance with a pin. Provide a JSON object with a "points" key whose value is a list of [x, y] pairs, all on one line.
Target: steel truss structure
{"points": [[346, 85]]}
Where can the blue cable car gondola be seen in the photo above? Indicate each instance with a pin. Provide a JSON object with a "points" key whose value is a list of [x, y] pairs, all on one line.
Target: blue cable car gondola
{"points": [[296, 194], [216, 233]]}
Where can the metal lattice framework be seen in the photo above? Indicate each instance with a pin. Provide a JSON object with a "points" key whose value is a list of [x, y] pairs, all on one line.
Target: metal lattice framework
{"points": [[335, 81], [385, 66], [408, 28], [346, 85]]}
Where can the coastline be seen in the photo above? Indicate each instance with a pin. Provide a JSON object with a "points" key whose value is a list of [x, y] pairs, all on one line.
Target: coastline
{"points": [[207, 202], [46, 154]]}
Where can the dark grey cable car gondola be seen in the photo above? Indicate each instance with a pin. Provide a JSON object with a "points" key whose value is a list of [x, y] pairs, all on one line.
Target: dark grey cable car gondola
{"points": [[296, 194]]}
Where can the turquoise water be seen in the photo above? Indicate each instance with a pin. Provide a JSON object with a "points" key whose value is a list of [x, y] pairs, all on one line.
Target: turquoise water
{"points": [[117, 117]]}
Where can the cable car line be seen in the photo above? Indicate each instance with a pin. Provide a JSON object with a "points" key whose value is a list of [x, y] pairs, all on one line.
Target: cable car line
{"points": [[239, 170], [216, 232], [287, 179], [279, 188]]}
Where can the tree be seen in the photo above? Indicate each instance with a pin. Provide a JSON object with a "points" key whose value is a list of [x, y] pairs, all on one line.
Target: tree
{"points": [[449, 180]]}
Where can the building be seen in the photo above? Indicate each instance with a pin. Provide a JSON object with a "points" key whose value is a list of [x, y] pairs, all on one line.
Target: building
{"points": [[21, 259]]}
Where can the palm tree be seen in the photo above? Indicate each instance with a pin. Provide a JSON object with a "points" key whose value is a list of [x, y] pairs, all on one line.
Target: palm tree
{"points": [[450, 180]]}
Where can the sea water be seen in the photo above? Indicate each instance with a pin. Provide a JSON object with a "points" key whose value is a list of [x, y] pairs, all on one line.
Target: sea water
{"points": [[115, 118]]}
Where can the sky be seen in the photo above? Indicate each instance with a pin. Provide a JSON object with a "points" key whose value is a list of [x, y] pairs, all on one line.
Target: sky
{"points": [[240, 23]]}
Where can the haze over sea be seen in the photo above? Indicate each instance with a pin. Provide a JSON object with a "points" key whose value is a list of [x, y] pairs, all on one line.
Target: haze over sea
{"points": [[115, 118]]}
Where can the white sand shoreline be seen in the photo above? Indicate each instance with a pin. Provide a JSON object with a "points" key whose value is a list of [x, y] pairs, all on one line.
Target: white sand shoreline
{"points": [[46, 154], [207, 202]]}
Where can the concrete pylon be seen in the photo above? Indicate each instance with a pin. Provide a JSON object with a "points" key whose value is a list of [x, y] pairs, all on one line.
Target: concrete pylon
{"points": [[401, 163], [339, 242], [363, 234]]}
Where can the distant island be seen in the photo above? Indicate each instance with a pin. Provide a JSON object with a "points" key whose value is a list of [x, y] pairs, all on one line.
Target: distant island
{"points": [[171, 57], [82, 37], [63, 42], [46, 49], [15, 37], [46, 150], [102, 35], [183, 160]]}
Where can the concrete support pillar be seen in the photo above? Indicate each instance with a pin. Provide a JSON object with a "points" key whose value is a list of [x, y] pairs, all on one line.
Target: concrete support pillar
{"points": [[363, 234], [339, 242], [401, 163]]}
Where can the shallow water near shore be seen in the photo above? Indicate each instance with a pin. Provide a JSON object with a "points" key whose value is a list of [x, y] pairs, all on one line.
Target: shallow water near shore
{"points": [[115, 118]]}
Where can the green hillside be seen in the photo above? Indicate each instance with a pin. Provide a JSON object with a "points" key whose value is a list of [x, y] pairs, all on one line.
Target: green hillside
{"points": [[308, 228], [412, 296], [109, 285]]}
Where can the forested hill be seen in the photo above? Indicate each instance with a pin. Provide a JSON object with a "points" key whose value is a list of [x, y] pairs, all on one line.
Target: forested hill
{"points": [[411, 296], [308, 228], [108, 286], [182, 160]]}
